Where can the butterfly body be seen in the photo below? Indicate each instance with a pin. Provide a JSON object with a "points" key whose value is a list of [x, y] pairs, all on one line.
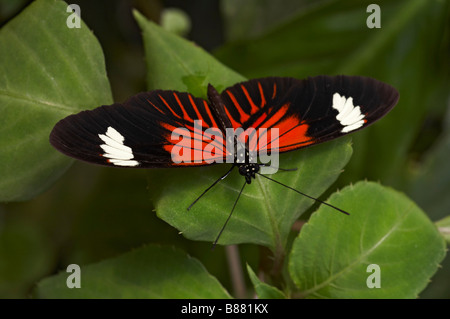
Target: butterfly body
{"points": [[249, 171]]}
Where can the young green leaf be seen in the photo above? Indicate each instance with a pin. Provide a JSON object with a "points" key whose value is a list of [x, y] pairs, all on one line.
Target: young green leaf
{"points": [[47, 71], [386, 248], [176, 21], [148, 272], [444, 228], [263, 290]]}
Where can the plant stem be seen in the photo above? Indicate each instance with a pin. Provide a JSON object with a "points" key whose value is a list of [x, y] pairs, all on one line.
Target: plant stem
{"points": [[236, 273]]}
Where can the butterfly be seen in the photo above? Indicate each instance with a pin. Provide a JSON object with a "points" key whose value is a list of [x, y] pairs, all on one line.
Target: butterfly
{"points": [[165, 128]]}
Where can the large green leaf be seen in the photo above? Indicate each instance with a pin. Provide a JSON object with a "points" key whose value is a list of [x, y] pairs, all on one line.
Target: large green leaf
{"points": [[330, 257], [47, 71], [148, 272], [174, 63]]}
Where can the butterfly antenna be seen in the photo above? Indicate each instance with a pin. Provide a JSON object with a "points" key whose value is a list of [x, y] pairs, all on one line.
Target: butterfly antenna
{"points": [[286, 169], [279, 168], [211, 186], [297, 191], [229, 216]]}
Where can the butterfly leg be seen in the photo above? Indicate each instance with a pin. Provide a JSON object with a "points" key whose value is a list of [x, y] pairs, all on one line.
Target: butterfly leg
{"points": [[279, 168], [211, 186], [229, 216], [297, 191]]}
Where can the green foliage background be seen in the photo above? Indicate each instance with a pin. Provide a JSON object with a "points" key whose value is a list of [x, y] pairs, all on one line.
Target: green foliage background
{"points": [[53, 216]]}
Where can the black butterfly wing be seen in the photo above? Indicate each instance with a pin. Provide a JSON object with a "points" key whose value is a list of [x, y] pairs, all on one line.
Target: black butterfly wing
{"points": [[305, 112], [169, 128], [151, 129]]}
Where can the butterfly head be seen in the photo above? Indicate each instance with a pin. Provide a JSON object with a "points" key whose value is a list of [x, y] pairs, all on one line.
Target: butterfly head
{"points": [[248, 170]]}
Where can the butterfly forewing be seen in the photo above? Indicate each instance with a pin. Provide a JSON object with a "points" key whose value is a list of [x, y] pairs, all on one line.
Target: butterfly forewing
{"points": [[335, 106], [249, 103], [309, 111]]}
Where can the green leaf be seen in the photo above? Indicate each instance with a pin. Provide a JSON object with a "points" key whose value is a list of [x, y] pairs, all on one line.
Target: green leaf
{"points": [[265, 211], [174, 63], [47, 71], [176, 21], [149, 272], [330, 257], [444, 228], [263, 290]]}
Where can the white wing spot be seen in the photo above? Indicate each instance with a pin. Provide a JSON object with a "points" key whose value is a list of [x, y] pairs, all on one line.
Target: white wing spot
{"points": [[115, 150], [349, 115]]}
